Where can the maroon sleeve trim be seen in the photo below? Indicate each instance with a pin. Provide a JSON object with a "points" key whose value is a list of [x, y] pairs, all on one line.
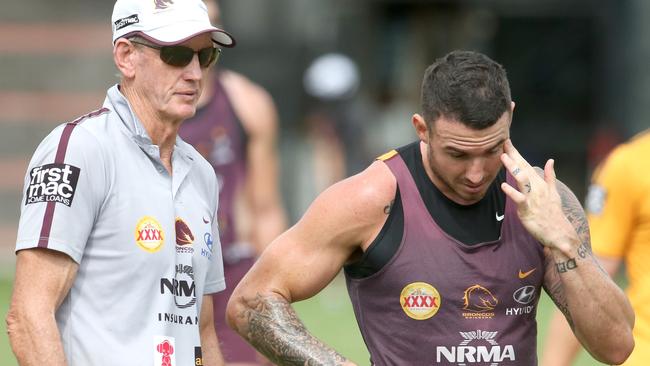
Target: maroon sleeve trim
{"points": [[44, 238]]}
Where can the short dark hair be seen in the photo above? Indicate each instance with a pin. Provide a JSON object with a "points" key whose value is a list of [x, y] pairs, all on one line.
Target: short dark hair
{"points": [[465, 86]]}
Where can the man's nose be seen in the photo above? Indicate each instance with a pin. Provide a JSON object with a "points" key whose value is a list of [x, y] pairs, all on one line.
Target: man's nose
{"points": [[193, 70], [475, 171]]}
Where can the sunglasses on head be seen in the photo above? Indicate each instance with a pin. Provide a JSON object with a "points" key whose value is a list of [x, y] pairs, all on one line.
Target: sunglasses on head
{"points": [[181, 55]]}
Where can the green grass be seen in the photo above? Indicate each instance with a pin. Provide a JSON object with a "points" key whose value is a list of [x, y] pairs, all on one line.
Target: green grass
{"points": [[6, 356], [329, 316]]}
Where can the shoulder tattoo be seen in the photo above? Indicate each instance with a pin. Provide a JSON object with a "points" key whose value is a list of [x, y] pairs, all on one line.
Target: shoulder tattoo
{"points": [[389, 207]]}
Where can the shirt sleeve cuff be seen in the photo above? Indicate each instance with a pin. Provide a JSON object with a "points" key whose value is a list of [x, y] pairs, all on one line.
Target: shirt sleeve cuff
{"points": [[214, 287]]}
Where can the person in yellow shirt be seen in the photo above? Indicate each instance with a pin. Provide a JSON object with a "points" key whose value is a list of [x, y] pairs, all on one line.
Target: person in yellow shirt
{"points": [[618, 210]]}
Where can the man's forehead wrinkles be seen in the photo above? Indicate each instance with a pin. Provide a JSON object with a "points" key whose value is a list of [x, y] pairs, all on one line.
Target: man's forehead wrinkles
{"points": [[493, 140]]}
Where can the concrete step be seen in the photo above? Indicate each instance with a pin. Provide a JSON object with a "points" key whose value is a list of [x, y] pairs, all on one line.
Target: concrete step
{"points": [[48, 107]]}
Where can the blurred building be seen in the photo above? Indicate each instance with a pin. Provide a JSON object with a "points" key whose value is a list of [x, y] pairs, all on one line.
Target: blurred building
{"points": [[573, 66]]}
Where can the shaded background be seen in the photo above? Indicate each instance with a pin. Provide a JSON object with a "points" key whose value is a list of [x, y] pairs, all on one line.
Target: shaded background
{"points": [[578, 73]]}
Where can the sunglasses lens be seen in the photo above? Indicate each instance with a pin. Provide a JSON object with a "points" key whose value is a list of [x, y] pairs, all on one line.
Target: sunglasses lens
{"points": [[176, 55], [208, 56], [182, 56]]}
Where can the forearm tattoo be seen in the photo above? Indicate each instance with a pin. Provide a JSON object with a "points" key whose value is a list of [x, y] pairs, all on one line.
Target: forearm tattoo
{"points": [[583, 250], [556, 292], [553, 284], [576, 216], [273, 327], [563, 267]]}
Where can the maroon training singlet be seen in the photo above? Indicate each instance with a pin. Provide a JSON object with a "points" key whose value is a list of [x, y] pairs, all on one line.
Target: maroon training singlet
{"points": [[215, 131], [441, 302]]}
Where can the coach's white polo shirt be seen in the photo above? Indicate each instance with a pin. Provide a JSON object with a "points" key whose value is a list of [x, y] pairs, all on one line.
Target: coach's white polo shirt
{"points": [[146, 242]]}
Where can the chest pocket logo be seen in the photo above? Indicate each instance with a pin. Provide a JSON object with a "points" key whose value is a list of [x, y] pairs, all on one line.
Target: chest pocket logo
{"points": [[149, 234], [420, 300], [479, 303]]}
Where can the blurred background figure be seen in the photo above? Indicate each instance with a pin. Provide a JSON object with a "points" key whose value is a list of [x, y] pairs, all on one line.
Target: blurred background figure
{"points": [[333, 141], [618, 208], [603, 140], [235, 129]]}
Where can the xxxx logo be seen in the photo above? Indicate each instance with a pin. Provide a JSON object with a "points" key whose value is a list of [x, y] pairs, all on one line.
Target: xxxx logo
{"points": [[149, 234], [420, 300]]}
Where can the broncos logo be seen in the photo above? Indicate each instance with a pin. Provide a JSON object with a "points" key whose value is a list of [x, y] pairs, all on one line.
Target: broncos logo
{"points": [[479, 299], [184, 235], [163, 4]]}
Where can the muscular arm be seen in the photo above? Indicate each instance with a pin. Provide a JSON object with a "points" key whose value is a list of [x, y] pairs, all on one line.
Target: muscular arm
{"points": [[595, 307], [561, 347], [302, 261], [43, 279], [257, 112], [210, 349]]}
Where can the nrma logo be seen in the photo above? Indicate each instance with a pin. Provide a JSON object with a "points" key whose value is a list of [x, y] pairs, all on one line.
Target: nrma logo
{"points": [[182, 287], [467, 353]]}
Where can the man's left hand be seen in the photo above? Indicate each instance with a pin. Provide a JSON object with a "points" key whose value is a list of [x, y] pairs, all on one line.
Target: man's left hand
{"points": [[539, 205]]}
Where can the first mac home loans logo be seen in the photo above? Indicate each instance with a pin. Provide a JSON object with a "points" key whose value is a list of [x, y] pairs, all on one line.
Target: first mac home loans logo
{"points": [[52, 183]]}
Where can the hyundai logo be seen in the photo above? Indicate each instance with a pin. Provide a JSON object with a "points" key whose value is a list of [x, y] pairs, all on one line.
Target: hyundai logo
{"points": [[207, 237], [524, 295]]}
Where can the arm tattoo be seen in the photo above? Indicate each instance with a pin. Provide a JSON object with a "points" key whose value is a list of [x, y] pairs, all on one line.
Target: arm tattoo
{"points": [[553, 282], [556, 293], [583, 250], [389, 207], [273, 327], [576, 216], [566, 266]]}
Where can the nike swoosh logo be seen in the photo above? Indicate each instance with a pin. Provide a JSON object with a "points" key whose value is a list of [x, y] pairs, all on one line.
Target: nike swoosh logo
{"points": [[523, 275], [499, 218]]}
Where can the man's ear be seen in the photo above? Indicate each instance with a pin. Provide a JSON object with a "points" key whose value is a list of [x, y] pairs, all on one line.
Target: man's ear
{"points": [[512, 110], [124, 56], [421, 127]]}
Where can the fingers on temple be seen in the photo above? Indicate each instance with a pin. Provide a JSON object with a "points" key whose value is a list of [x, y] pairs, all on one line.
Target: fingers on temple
{"points": [[514, 168], [513, 153]]}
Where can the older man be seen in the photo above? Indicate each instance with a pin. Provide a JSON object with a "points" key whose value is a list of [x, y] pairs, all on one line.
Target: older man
{"points": [[117, 248]]}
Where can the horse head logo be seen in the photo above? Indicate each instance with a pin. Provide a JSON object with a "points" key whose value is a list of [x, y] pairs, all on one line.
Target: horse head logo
{"points": [[163, 4], [479, 299]]}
